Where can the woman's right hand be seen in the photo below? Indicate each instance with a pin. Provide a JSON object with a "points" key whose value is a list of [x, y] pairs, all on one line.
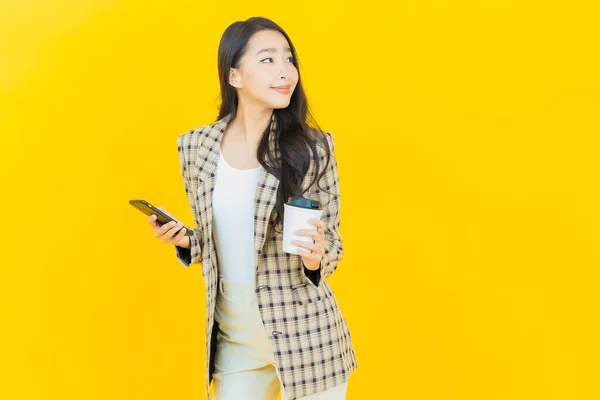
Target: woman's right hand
{"points": [[171, 232]]}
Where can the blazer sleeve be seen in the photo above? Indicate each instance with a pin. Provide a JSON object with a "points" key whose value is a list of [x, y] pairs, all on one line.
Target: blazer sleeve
{"points": [[331, 203], [194, 254]]}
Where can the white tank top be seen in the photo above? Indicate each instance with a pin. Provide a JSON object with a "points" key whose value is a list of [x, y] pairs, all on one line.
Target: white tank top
{"points": [[233, 220]]}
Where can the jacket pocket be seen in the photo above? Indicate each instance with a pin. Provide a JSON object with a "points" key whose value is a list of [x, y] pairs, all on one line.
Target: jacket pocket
{"points": [[306, 293]]}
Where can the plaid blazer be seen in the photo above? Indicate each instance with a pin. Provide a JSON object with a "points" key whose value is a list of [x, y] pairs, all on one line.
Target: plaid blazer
{"points": [[309, 335]]}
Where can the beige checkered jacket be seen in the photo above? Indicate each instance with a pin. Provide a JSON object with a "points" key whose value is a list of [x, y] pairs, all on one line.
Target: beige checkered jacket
{"points": [[310, 338]]}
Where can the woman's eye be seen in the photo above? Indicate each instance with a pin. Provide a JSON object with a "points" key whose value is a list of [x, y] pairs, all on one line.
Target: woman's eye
{"points": [[270, 58]]}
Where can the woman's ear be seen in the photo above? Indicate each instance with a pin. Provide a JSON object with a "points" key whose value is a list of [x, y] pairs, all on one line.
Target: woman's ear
{"points": [[233, 78]]}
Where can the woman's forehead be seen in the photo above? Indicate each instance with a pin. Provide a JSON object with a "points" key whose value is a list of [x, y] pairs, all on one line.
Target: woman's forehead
{"points": [[268, 42]]}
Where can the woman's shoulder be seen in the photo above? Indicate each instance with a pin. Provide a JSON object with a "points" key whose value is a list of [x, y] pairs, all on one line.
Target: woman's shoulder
{"points": [[322, 138], [328, 166], [193, 137]]}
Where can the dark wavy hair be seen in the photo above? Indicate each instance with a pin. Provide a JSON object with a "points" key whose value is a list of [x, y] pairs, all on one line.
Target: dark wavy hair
{"points": [[297, 131]]}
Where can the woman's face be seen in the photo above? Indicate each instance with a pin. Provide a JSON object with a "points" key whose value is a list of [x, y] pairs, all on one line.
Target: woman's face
{"points": [[266, 64]]}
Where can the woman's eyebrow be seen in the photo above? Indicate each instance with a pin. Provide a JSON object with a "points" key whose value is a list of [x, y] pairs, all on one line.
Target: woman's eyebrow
{"points": [[272, 50]]}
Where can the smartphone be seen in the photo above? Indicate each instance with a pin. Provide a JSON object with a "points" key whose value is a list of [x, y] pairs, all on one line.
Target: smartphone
{"points": [[161, 217]]}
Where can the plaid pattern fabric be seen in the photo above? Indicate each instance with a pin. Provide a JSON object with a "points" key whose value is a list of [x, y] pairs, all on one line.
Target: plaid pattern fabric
{"points": [[310, 337]]}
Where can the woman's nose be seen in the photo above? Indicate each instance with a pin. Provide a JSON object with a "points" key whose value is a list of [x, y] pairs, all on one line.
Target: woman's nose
{"points": [[284, 72]]}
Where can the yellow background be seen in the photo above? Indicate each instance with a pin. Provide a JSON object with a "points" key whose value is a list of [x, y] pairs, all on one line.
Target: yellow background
{"points": [[467, 143]]}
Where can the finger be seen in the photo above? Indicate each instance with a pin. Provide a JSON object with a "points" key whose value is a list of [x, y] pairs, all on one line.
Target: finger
{"points": [[151, 220], [317, 222], [307, 232], [168, 236], [307, 245], [159, 230], [307, 255], [180, 235], [165, 228], [317, 237], [176, 229], [303, 252]]}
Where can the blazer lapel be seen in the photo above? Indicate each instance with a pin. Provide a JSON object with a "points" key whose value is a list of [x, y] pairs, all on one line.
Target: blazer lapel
{"points": [[266, 188]]}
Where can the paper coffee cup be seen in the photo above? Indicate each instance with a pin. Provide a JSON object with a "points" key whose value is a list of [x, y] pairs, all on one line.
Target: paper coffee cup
{"points": [[298, 211]]}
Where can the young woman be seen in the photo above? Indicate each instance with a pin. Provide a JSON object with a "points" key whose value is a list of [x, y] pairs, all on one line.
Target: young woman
{"points": [[272, 321]]}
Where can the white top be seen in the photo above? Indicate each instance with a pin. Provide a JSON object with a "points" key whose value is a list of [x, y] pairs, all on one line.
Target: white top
{"points": [[233, 220]]}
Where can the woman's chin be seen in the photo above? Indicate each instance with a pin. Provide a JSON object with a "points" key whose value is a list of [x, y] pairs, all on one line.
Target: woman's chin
{"points": [[280, 104]]}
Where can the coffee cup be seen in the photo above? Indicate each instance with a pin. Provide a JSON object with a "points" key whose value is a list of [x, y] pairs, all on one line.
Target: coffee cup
{"points": [[297, 212]]}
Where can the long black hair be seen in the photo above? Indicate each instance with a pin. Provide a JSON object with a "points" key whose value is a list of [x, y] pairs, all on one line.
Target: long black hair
{"points": [[297, 131]]}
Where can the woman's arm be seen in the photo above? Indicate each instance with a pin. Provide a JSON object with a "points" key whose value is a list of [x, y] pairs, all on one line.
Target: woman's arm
{"points": [[331, 202], [193, 254]]}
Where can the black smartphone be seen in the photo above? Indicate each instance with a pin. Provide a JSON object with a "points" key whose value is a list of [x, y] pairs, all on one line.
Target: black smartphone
{"points": [[161, 217]]}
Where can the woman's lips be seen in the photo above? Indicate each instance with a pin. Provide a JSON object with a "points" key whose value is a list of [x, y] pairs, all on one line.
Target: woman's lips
{"points": [[283, 89]]}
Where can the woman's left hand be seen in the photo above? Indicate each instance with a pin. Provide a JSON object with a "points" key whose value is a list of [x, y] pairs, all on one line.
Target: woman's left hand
{"points": [[312, 261]]}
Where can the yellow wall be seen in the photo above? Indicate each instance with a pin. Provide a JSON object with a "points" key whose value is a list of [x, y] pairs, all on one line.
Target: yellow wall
{"points": [[467, 142]]}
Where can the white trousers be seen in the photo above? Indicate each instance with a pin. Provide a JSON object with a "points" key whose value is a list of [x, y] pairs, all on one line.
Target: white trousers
{"points": [[244, 360]]}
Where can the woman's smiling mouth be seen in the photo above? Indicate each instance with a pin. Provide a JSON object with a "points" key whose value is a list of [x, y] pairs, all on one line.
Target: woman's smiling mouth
{"points": [[284, 89]]}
